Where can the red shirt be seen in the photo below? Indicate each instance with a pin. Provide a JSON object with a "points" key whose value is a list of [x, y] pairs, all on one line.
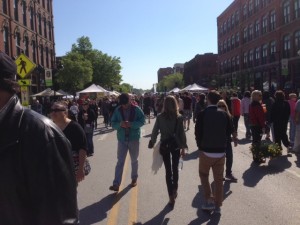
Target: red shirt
{"points": [[256, 114]]}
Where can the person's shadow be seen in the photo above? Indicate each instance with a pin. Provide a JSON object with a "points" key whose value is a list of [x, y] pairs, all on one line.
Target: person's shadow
{"points": [[159, 218], [204, 216], [98, 211], [256, 172], [191, 155], [244, 141]]}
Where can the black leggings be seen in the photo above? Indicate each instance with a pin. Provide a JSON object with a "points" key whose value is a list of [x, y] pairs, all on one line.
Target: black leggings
{"points": [[171, 165]]}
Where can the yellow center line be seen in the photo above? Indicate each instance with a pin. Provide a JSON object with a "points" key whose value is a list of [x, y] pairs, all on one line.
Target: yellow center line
{"points": [[114, 212], [132, 219]]}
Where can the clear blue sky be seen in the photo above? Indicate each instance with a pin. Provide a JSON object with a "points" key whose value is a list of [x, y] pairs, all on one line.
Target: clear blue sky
{"points": [[145, 34]]}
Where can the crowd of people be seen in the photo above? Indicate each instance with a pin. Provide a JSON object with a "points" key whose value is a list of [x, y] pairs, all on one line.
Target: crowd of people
{"points": [[44, 172]]}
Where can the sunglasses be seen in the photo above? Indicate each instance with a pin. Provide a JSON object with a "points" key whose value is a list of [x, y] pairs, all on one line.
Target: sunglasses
{"points": [[57, 110], [221, 106]]}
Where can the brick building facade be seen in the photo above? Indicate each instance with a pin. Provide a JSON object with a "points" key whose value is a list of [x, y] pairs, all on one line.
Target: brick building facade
{"points": [[202, 69], [27, 27], [259, 43]]}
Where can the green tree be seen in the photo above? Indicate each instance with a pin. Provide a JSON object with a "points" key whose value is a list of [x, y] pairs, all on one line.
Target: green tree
{"points": [[171, 81], [124, 87], [76, 74], [106, 69]]}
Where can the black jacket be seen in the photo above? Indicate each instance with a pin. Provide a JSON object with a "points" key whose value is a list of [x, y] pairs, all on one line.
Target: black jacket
{"points": [[38, 185], [212, 129]]}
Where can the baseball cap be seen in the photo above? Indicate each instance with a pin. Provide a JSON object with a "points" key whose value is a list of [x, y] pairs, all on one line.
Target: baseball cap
{"points": [[8, 67]]}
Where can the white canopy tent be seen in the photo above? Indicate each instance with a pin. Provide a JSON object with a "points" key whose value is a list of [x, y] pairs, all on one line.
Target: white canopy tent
{"points": [[175, 90], [92, 89], [47, 92], [194, 88]]}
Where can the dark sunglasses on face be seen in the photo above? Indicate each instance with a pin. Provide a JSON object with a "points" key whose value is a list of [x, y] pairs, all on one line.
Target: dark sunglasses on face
{"points": [[221, 106], [57, 110]]}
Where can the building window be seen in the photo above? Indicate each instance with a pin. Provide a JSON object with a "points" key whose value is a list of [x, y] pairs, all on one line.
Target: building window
{"points": [[225, 27], [297, 8], [250, 32], [48, 5], [257, 56], [6, 40], [221, 30], [16, 10], [18, 42], [286, 46], [286, 12], [251, 57], [237, 17], [237, 61], [42, 55], [40, 23], [250, 7], [45, 27], [228, 44], [24, 13], [264, 53], [225, 46], [264, 3], [50, 30], [257, 4], [237, 39], [245, 34], [273, 20], [232, 41], [228, 24], [26, 45], [232, 21], [31, 18], [4, 6], [297, 41], [47, 57], [265, 24], [33, 51], [245, 58], [245, 11], [257, 26]]}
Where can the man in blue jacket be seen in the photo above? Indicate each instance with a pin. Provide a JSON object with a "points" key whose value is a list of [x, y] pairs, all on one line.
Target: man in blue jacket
{"points": [[127, 119]]}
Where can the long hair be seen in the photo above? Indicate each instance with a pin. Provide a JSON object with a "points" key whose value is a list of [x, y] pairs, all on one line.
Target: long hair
{"points": [[223, 103], [170, 108]]}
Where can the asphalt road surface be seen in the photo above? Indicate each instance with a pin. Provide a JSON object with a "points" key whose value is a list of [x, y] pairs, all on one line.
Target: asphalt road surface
{"points": [[264, 194]]}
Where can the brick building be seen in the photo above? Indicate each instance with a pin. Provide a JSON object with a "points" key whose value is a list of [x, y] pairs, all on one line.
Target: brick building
{"points": [[202, 69], [27, 27], [259, 43]]}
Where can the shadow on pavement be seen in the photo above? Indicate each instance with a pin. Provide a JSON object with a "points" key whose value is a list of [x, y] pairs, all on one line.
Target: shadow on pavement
{"points": [[159, 218], [203, 216], [244, 141], [256, 172], [98, 211], [103, 130]]}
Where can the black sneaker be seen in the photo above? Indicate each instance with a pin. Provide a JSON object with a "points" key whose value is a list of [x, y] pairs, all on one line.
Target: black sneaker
{"points": [[231, 178]]}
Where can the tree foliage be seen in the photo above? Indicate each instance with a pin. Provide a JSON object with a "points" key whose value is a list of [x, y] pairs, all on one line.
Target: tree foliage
{"points": [[76, 73], [171, 81], [83, 65]]}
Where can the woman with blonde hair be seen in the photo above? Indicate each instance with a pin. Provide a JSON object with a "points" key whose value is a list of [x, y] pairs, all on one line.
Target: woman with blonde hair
{"points": [[168, 123], [229, 154], [74, 132]]}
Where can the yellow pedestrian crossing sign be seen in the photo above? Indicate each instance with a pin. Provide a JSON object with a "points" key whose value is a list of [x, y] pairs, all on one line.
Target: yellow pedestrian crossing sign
{"points": [[24, 65]]}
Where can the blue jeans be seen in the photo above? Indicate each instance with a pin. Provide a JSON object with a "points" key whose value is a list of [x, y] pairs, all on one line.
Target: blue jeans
{"points": [[123, 147]]}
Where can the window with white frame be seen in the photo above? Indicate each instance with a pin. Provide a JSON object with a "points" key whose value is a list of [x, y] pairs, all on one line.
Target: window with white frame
{"points": [[257, 54], [245, 34], [245, 58], [251, 56], [286, 46], [245, 11], [232, 41], [251, 32], [265, 53], [237, 17], [250, 7]]}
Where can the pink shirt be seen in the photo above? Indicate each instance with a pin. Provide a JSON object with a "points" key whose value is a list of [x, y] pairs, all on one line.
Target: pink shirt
{"points": [[292, 103]]}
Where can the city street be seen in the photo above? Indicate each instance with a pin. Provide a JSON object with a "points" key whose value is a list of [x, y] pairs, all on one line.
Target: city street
{"points": [[264, 194]]}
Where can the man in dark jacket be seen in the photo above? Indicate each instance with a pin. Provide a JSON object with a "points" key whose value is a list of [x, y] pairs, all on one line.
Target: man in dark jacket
{"points": [[38, 184], [212, 130]]}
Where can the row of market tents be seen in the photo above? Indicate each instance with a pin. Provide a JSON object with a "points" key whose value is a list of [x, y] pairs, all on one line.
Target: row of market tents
{"points": [[98, 89], [190, 88], [91, 89]]}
